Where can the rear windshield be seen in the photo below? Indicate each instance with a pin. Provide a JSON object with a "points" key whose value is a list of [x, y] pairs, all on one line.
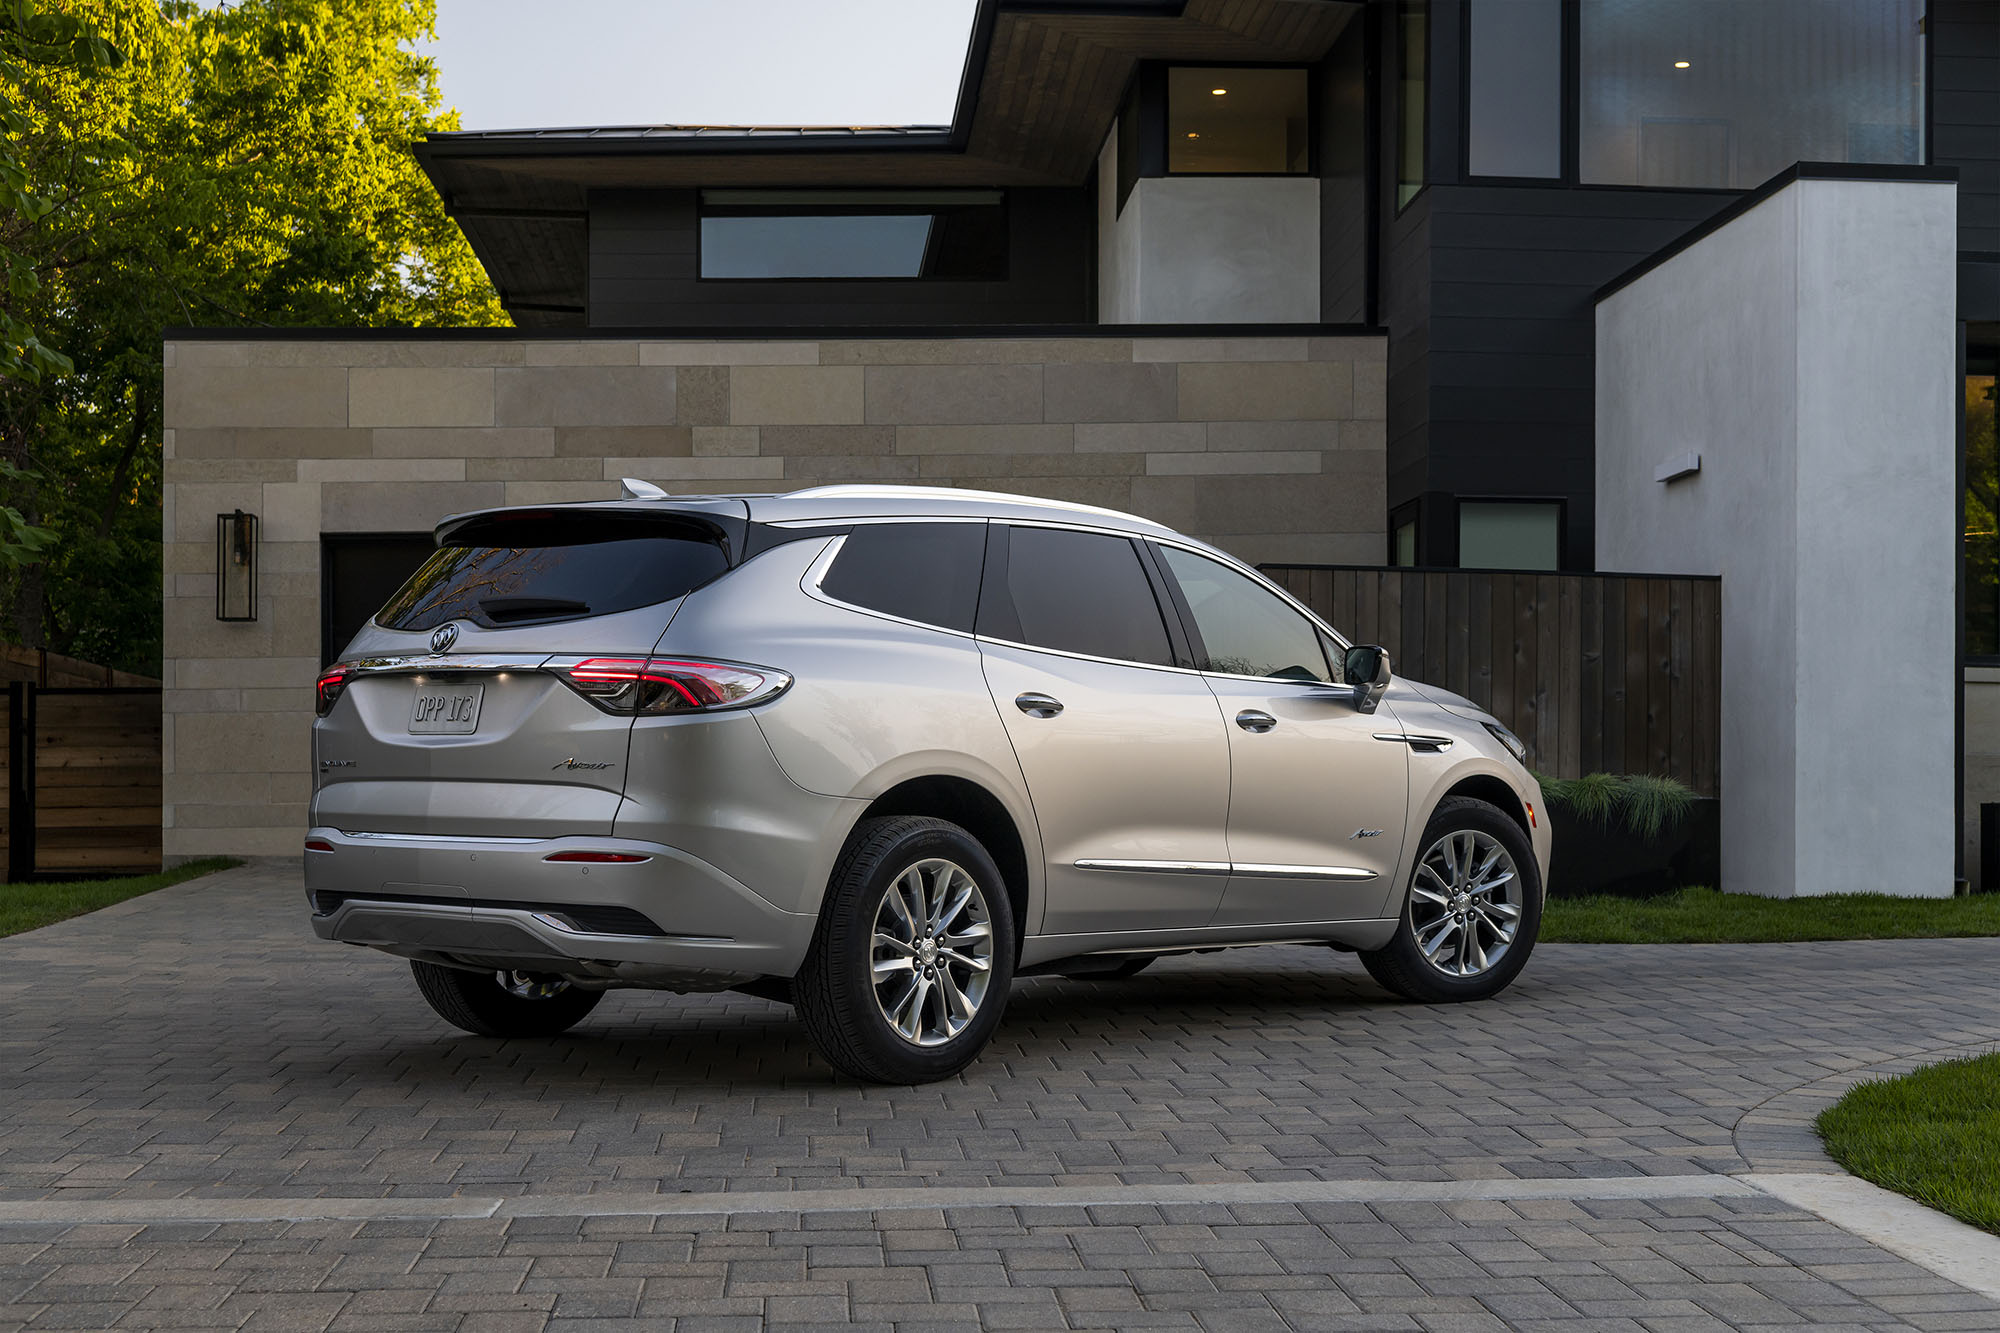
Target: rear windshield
{"points": [[581, 575]]}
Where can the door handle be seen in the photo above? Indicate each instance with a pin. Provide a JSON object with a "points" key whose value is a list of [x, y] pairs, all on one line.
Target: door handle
{"points": [[1250, 719], [1038, 705]]}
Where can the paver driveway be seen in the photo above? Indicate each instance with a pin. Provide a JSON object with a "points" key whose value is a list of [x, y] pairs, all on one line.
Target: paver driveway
{"points": [[190, 1079]]}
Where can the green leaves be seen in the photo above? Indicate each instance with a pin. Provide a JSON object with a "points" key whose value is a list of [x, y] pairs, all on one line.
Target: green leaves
{"points": [[166, 164]]}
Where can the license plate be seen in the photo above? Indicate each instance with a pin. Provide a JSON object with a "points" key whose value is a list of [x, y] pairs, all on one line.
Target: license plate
{"points": [[445, 710]]}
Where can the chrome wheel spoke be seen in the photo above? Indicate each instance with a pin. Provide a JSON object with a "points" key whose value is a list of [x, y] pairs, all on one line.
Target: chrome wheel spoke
{"points": [[1466, 903], [931, 954]]}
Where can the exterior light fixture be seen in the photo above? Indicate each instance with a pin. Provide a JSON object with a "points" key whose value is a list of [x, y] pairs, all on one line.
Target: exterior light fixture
{"points": [[236, 566], [1680, 64], [1217, 92]]}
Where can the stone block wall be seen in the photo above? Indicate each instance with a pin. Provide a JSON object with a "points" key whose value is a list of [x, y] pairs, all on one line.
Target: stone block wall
{"points": [[1273, 448]]}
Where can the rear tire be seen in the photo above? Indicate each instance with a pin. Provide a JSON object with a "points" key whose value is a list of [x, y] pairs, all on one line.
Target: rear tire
{"points": [[913, 958], [532, 1006], [1471, 912]]}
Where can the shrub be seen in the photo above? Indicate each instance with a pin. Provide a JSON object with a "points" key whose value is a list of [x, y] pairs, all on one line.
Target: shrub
{"points": [[1639, 803]]}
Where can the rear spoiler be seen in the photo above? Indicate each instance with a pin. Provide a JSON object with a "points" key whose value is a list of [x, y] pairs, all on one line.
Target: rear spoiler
{"points": [[724, 522]]}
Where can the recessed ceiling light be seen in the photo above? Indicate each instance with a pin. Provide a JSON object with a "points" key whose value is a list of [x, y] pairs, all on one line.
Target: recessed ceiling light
{"points": [[1680, 64], [1193, 135], [1217, 92]]}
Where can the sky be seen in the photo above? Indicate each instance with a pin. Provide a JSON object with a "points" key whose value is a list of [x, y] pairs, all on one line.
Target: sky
{"points": [[518, 64]]}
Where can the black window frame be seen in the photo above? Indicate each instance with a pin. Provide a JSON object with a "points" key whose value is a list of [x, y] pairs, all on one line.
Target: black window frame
{"points": [[1561, 502], [1394, 181], [1003, 203], [999, 620]]}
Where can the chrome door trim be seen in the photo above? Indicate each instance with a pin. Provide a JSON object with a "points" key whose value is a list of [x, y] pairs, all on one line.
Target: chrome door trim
{"points": [[1252, 871], [1302, 872], [1158, 867]]}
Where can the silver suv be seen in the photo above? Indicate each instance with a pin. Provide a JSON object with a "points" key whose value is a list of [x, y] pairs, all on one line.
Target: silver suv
{"points": [[880, 751]]}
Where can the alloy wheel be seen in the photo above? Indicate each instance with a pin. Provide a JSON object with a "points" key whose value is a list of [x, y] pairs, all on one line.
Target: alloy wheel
{"points": [[1465, 903], [931, 953]]}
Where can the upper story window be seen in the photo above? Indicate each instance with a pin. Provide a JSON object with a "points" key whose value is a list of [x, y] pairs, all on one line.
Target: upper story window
{"points": [[1722, 94], [1238, 122], [1514, 88], [767, 234], [1413, 36]]}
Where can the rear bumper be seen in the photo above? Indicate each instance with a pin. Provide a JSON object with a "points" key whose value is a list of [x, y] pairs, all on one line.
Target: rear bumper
{"points": [[672, 921]]}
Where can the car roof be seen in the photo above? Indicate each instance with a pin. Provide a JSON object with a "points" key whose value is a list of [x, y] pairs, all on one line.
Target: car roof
{"points": [[840, 504]]}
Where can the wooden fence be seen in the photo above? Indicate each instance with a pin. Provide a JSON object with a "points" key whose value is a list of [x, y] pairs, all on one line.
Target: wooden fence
{"points": [[83, 780], [1616, 673]]}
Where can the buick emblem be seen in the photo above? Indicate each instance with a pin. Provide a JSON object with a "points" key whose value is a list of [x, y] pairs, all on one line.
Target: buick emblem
{"points": [[443, 637]]}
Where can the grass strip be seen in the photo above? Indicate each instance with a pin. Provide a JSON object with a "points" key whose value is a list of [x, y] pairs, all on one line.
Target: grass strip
{"points": [[1933, 1135], [1706, 916], [27, 906]]}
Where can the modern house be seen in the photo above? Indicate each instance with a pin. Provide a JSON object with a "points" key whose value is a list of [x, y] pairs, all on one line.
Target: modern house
{"points": [[1682, 286]]}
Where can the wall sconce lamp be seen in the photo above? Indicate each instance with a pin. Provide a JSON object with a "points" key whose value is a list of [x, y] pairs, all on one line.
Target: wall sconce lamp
{"points": [[236, 566]]}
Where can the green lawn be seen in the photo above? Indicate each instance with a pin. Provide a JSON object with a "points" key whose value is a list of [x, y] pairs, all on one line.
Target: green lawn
{"points": [[1704, 916], [1933, 1134], [26, 906]]}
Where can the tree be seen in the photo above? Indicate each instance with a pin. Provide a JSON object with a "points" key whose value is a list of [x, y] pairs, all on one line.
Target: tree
{"points": [[244, 165]]}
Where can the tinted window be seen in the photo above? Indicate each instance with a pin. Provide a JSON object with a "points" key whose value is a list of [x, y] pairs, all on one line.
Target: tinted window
{"points": [[357, 575], [958, 234], [1237, 120], [1246, 629], [927, 572], [1515, 87], [582, 574], [1080, 592]]}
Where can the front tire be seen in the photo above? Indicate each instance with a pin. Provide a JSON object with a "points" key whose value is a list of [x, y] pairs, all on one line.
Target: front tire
{"points": [[913, 958], [503, 1004], [1472, 911]]}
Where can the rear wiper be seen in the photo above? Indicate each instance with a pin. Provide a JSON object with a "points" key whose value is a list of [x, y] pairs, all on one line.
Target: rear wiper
{"points": [[529, 608]]}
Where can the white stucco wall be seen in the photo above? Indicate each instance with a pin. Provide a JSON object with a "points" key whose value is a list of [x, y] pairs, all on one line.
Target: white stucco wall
{"points": [[1805, 351], [1206, 249]]}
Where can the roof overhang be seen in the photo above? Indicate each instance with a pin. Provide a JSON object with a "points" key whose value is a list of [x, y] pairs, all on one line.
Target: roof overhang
{"points": [[1040, 85]]}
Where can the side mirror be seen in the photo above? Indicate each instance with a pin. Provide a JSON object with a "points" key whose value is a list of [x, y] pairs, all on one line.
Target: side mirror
{"points": [[1366, 668]]}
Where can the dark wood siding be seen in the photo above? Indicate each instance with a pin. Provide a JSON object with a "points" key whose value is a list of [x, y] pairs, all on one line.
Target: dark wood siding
{"points": [[1595, 673], [643, 273], [1965, 133]]}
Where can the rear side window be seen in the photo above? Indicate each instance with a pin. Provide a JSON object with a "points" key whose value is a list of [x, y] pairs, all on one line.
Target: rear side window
{"points": [[927, 572], [567, 574], [1080, 592]]}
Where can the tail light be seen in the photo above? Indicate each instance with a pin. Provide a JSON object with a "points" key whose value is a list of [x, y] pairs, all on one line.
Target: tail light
{"points": [[327, 693], [652, 685]]}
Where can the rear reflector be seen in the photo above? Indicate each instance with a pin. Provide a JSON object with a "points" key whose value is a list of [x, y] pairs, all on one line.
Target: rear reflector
{"points": [[597, 858], [318, 845], [669, 685]]}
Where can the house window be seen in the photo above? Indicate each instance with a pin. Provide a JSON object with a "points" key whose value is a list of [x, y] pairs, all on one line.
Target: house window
{"points": [[1237, 122], [1403, 541], [1413, 56], [1509, 534], [1515, 89], [765, 234], [1720, 94], [1982, 506]]}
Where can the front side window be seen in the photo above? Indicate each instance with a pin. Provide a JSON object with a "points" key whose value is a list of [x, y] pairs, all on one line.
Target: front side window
{"points": [[1245, 628], [1237, 121], [1723, 94], [926, 572], [949, 234], [1509, 534], [1077, 592]]}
